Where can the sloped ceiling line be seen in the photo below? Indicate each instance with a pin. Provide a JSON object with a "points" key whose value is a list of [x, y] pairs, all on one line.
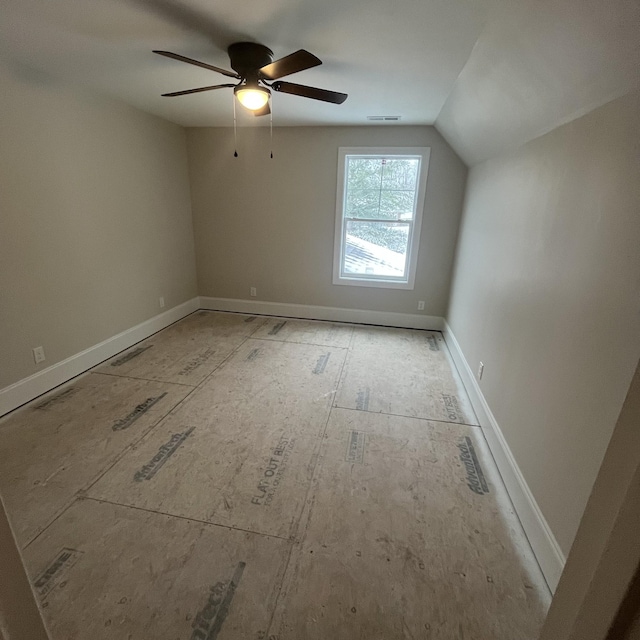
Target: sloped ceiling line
{"points": [[536, 66]]}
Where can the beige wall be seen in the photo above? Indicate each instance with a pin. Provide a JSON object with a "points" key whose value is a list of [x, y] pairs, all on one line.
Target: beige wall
{"points": [[95, 222], [597, 596], [270, 223], [546, 293]]}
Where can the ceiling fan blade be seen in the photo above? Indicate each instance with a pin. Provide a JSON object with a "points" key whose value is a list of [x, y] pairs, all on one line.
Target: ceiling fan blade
{"points": [[204, 65], [298, 61], [184, 93], [265, 111], [309, 92]]}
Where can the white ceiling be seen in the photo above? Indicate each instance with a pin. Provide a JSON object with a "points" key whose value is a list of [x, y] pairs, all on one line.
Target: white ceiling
{"points": [[538, 65], [392, 59], [489, 73]]}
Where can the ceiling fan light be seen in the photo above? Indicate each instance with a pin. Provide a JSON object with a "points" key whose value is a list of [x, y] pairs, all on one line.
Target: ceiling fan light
{"points": [[252, 98]]}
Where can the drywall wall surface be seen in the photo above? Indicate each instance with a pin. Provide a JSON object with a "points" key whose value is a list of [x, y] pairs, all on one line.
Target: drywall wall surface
{"points": [[95, 224], [20, 617], [538, 65], [546, 293], [597, 587], [269, 223]]}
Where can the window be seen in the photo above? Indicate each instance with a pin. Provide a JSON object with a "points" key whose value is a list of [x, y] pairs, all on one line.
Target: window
{"points": [[379, 212]]}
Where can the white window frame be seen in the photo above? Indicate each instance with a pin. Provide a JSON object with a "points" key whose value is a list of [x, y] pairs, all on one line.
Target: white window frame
{"points": [[387, 282]]}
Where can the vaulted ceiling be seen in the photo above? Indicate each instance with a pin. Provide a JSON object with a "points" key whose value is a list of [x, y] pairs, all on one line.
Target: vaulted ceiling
{"points": [[488, 73]]}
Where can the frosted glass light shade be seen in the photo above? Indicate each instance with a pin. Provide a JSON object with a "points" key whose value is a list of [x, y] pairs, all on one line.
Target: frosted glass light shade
{"points": [[252, 98]]}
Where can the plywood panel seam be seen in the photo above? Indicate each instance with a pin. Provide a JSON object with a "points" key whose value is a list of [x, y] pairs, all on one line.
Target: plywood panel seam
{"points": [[279, 588], [219, 366], [80, 494], [266, 316], [131, 445], [59, 513], [404, 415], [315, 461], [101, 473], [307, 507], [342, 370], [187, 518], [311, 344], [172, 410], [119, 375], [313, 465], [256, 326]]}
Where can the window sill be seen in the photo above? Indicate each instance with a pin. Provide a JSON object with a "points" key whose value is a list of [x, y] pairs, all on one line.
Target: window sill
{"points": [[379, 284]]}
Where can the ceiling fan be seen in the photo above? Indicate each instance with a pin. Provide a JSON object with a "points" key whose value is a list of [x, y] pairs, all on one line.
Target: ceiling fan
{"points": [[254, 67]]}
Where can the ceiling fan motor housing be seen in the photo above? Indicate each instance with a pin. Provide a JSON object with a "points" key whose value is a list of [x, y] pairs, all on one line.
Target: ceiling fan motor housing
{"points": [[248, 57]]}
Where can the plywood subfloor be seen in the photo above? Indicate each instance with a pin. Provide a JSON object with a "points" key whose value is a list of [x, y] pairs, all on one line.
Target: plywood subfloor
{"points": [[59, 444], [305, 480], [410, 535], [328, 334], [403, 372], [249, 435], [103, 571], [185, 352]]}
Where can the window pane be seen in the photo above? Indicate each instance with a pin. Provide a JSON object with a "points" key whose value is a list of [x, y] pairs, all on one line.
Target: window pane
{"points": [[362, 199], [396, 205], [376, 249], [381, 188], [400, 173], [364, 173], [362, 203]]}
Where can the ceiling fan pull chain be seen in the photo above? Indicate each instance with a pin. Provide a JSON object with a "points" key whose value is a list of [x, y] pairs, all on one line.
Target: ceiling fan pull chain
{"points": [[271, 128], [235, 130]]}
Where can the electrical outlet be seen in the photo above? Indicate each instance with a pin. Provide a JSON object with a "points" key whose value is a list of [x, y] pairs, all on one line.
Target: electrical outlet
{"points": [[253, 292], [161, 301], [480, 370], [38, 355], [421, 305]]}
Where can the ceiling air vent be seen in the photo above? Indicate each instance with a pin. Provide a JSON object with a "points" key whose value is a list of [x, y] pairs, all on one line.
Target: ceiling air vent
{"points": [[384, 118]]}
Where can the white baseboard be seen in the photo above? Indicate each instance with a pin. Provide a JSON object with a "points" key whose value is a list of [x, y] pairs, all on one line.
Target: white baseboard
{"points": [[543, 542], [313, 312], [29, 388]]}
